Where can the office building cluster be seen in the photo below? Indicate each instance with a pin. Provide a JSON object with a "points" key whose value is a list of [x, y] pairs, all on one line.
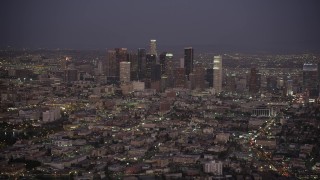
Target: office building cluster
{"points": [[158, 71]]}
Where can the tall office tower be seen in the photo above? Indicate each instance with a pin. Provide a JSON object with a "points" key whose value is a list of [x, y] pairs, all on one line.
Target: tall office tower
{"points": [[141, 63], [153, 47], [156, 72], [156, 77], [188, 60], [254, 81], [150, 62], [65, 62], [100, 70], [217, 74], [133, 59], [114, 57], [209, 77], [169, 70], [181, 63], [230, 83], [111, 67], [163, 82], [125, 72], [199, 75], [163, 63], [121, 55], [289, 87], [180, 78], [191, 84], [310, 80]]}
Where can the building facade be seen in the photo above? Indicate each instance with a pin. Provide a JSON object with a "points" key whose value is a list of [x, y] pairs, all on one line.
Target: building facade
{"points": [[125, 72], [188, 60], [217, 74]]}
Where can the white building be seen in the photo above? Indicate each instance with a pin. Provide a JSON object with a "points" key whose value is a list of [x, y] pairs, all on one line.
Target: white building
{"points": [[262, 111], [138, 86], [153, 47], [214, 167], [125, 72], [217, 74], [51, 115]]}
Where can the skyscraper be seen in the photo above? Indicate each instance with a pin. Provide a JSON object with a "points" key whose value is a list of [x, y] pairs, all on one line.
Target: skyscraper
{"points": [[100, 68], [111, 63], [199, 73], [169, 70], [125, 72], [188, 60], [133, 59], [150, 62], [217, 74], [179, 80], [165, 59], [153, 47], [209, 77], [254, 81], [121, 55], [230, 83], [141, 63], [156, 72], [310, 80], [114, 57]]}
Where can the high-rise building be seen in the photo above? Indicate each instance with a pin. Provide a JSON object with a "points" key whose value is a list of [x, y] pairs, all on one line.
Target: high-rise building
{"points": [[156, 72], [179, 80], [181, 63], [254, 81], [153, 47], [114, 57], [230, 83], [289, 87], [125, 72], [188, 60], [192, 81], [209, 76], [111, 63], [169, 70], [150, 62], [217, 74], [164, 61], [141, 63], [310, 80], [100, 68], [133, 59], [199, 73], [121, 56]]}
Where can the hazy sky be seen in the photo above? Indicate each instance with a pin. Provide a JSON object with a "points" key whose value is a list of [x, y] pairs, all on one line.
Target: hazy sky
{"points": [[99, 24]]}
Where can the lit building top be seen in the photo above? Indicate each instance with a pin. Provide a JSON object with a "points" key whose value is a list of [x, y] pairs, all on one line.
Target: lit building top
{"points": [[310, 67]]}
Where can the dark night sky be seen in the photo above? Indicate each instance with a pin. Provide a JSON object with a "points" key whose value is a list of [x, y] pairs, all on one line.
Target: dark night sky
{"points": [[98, 24]]}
